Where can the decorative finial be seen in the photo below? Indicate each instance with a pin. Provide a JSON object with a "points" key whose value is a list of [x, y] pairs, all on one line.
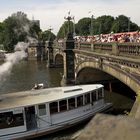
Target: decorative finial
{"points": [[69, 18]]}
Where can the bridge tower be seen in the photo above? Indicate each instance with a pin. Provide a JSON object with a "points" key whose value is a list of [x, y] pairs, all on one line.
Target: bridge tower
{"points": [[49, 45], [69, 72]]}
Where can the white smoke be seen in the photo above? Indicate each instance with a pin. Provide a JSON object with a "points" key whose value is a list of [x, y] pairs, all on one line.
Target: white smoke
{"points": [[32, 40], [26, 28], [13, 58], [20, 49]]}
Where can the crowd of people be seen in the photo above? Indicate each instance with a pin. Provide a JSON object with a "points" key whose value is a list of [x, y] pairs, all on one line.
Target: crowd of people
{"points": [[112, 37]]}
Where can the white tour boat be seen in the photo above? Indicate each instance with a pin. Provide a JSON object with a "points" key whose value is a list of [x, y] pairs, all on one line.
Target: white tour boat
{"points": [[35, 113]]}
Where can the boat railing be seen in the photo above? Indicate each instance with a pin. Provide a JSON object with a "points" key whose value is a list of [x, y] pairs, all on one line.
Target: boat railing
{"points": [[39, 118]]}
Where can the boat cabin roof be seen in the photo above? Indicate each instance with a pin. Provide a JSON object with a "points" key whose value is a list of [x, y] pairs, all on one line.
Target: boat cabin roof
{"points": [[32, 97]]}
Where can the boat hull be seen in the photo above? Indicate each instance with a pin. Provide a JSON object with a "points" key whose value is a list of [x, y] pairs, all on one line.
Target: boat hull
{"points": [[57, 127]]}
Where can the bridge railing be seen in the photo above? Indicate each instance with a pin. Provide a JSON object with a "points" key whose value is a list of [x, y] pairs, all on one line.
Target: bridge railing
{"points": [[130, 49], [114, 48], [119, 49]]}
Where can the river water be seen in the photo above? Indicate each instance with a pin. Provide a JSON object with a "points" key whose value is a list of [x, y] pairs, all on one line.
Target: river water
{"points": [[25, 74]]}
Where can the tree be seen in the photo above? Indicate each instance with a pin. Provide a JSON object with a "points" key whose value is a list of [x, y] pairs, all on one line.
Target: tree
{"points": [[63, 31], [15, 29], [1, 32], [123, 24], [100, 25], [18, 27], [47, 35], [34, 30], [103, 24], [83, 26]]}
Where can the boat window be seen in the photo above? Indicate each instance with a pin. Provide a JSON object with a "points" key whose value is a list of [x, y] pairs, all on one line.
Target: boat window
{"points": [[8, 120], [42, 109], [93, 96], [63, 105], [71, 103], [53, 107], [100, 94], [79, 101], [87, 98]]}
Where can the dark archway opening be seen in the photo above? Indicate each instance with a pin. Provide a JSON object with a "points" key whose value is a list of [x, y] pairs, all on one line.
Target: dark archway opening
{"points": [[59, 60], [116, 92]]}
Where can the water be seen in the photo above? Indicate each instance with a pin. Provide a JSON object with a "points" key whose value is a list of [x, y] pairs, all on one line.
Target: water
{"points": [[25, 74]]}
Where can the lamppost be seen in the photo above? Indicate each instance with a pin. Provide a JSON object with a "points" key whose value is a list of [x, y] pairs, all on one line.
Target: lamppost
{"points": [[50, 29], [69, 18], [69, 57], [128, 24], [50, 50], [74, 33], [91, 24]]}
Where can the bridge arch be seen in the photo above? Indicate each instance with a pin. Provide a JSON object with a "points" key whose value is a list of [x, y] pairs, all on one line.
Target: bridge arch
{"points": [[58, 59], [110, 69]]}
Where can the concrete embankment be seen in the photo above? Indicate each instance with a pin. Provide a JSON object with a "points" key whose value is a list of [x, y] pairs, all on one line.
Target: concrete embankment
{"points": [[108, 127]]}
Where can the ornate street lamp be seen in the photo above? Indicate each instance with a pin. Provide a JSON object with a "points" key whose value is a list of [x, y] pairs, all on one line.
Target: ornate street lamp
{"points": [[69, 57], [69, 18], [74, 33], [91, 24], [128, 24], [50, 29]]}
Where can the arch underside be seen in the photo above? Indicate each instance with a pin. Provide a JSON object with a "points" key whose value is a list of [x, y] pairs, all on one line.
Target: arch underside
{"points": [[112, 70], [58, 59]]}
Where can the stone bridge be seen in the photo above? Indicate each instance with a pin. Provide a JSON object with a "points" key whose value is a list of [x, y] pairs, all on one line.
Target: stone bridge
{"points": [[120, 60]]}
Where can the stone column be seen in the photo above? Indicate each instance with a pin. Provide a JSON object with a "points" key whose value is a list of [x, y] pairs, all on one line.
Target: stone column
{"points": [[115, 50], [92, 46], [50, 62], [69, 69]]}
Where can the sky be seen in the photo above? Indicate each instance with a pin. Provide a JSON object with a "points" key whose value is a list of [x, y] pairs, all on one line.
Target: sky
{"points": [[52, 12]]}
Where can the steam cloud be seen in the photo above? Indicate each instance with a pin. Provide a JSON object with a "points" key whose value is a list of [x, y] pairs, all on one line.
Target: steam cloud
{"points": [[13, 58], [19, 54]]}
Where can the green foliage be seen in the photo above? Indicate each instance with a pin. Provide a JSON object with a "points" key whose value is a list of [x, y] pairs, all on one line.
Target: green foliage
{"points": [[104, 24], [47, 35], [34, 30], [1, 32], [64, 29], [121, 24], [15, 28], [83, 26]]}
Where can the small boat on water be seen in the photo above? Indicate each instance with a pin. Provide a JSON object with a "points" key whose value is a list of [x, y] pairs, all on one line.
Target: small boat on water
{"points": [[35, 113], [38, 86]]}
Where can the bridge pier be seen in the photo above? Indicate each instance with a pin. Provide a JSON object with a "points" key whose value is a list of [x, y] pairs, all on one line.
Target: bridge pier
{"points": [[69, 68], [110, 87], [50, 61]]}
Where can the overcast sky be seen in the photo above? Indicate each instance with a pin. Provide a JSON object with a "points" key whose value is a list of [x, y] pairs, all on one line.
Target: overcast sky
{"points": [[52, 12]]}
